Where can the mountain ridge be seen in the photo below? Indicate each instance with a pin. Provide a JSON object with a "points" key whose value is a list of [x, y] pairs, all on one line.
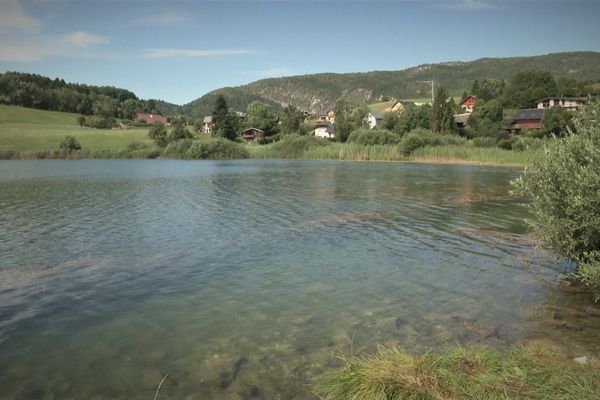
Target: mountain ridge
{"points": [[320, 91]]}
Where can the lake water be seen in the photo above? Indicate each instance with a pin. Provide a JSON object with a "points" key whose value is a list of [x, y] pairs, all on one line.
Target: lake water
{"points": [[243, 279]]}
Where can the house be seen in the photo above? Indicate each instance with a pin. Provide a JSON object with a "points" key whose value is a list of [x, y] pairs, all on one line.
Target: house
{"points": [[461, 120], [468, 104], [526, 119], [252, 134], [328, 116], [207, 124], [570, 103], [324, 129], [150, 118], [374, 119], [241, 115], [399, 106]]}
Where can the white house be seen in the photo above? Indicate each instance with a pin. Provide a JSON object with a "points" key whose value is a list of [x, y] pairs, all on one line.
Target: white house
{"points": [[324, 130], [570, 103], [207, 124], [374, 119]]}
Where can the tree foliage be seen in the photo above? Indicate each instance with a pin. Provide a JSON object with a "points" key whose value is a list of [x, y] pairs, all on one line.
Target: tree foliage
{"points": [[291, 120], [69, 144], [557, 121], [158, 133], [527, 86], [564, 186], [259, 115], [442, 113], [343, 123]]}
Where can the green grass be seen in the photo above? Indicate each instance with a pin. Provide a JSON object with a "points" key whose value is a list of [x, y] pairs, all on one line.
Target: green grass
{"points": [[524, 372], [25, 129]]}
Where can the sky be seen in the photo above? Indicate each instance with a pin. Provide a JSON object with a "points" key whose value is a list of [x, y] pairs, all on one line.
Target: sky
{"points": [[179, 50]]}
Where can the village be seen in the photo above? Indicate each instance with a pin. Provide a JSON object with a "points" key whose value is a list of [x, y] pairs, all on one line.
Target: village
{"points": [[324, 123]]}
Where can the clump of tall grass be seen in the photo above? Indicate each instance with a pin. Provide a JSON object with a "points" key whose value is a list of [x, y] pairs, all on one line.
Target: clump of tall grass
{"points": [[480, 155], [524, 372], [369, 137], [355, 152]]}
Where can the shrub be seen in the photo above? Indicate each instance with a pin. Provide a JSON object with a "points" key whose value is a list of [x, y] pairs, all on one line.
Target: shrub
{"points": [[505, 144], [372, 137], [178, 148], [292, 146], [421, 138], [216, 149], [99, 122], [484, 141], [565, 190], [523, 143], [158, 133], [69, 144]]}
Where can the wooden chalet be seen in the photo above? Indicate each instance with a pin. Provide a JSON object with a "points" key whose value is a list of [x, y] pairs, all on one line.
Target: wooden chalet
{"points": [[252, 134], [468, 104], [526, 119]]}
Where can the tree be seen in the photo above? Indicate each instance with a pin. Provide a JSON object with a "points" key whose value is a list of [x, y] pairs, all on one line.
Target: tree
{"points": [[528, 86], [414, 117], [81, 120], [343, 124], [69, 144], [564, 186], [442, 113], [292, 119], [105, 107], [557, 121], [128, 108], [259, 115], [390, 120], [179, 131], [158, 133], [487, 118], [220, 111], [488, 89]]}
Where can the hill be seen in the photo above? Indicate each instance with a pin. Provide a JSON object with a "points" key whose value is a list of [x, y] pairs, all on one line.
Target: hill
{"points": [[321, 91], [25, 129]]}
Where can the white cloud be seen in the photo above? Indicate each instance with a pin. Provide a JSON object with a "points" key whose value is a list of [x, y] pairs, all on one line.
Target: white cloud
{"points": [[169, 18], [12, 17], [22, 48], [84, 39], [470, 5], [168, 53]]}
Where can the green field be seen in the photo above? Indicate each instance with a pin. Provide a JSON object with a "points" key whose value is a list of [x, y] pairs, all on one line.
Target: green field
{"points": [[26, 129]]}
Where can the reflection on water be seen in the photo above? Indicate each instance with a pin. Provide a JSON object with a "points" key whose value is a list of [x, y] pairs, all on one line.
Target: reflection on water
{"points": [[242, 279]]}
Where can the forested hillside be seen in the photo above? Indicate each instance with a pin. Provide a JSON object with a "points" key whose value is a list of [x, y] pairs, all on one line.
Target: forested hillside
{"points": [[321, 91]]}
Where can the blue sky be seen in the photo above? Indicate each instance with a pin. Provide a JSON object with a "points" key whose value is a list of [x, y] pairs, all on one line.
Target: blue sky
{"points": [[179, 50]]}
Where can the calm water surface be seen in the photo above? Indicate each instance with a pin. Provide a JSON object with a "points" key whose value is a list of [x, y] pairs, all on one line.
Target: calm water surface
{"points": [[241, 279]]}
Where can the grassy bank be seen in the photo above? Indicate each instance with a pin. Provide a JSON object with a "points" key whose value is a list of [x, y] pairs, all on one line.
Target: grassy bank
{"points": [[475, 155], [524, 372], [27, 130], [462, 154]]}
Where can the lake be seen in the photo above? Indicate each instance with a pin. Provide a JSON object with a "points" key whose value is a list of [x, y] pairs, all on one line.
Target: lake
{"points": [[244, 279]]}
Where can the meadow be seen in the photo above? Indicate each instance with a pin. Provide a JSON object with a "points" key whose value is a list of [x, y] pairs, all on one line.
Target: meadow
{"points": [[25, 129]]}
